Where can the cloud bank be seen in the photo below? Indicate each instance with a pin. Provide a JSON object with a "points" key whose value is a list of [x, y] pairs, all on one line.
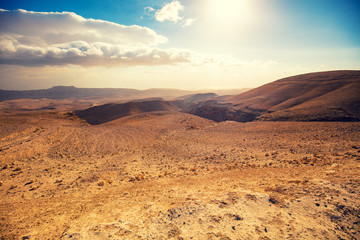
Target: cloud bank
{"points": [[58, 38]]}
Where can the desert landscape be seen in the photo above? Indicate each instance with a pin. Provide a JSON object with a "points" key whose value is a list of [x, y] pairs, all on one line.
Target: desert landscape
{"points": [[281, 161]]}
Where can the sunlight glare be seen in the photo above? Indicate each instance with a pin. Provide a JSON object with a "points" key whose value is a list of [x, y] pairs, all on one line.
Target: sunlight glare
{"points": [[229, 13]]}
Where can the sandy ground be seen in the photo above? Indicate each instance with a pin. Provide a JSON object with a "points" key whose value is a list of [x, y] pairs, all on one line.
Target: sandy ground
{"points": [[177, 176]]}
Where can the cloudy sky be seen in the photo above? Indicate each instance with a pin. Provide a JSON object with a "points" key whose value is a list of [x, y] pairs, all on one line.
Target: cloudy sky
{"points": [[187, 44]]}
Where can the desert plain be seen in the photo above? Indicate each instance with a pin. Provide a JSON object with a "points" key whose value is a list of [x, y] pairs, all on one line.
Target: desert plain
{"points": [[174, 175]]}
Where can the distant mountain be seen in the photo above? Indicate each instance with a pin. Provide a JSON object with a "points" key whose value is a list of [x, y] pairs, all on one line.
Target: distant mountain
{"points": [[322, 96], [111, 94], [63, 92]]}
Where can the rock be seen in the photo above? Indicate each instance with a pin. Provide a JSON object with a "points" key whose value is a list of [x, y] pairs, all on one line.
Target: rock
{"points": [[273, 200], [140, 177], [29, 182], [329, 172], [334, 165], [17, 169]]}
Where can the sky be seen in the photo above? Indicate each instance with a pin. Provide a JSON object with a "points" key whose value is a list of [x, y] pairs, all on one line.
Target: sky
{"points": [[184, 44]]}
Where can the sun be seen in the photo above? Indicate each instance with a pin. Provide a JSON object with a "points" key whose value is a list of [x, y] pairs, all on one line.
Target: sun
{"points": [[228, 13]]}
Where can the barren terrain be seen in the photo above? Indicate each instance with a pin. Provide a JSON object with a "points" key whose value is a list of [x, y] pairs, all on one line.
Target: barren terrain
{"points": [[77, 168], [172, 175]]}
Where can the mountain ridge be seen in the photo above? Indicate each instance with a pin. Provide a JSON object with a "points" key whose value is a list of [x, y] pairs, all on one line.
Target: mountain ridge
{"points": [[123, 94]]}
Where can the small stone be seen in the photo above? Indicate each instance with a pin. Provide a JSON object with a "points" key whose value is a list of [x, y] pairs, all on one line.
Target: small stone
{"points": [[329, 172], [140, 177], [273, 200], [30, 182], [100, 184], [334, 165], [238, 218]]}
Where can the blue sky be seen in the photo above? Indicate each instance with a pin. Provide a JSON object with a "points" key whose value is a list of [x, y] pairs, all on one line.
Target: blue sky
{"points": [[180, 44]]}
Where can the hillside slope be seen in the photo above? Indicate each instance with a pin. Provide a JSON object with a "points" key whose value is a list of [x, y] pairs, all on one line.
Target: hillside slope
{"points": [[323, 96], [108, 112]]}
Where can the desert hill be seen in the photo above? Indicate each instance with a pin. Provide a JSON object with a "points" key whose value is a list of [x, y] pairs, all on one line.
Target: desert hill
{"points": [[322, 96], [108, 112], [112, 111]]}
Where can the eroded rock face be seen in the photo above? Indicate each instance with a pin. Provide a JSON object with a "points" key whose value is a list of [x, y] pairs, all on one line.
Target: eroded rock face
{"points": [[223, 112]]}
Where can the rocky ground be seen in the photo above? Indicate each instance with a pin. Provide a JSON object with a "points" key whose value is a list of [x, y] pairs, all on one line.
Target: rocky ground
{"points": [[170, 175]]}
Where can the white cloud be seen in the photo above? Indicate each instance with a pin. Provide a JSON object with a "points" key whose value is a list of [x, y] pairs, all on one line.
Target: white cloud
{"points": [[170, 12], [149, 10], [49, 38], [188, 22], [55, 27]]}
